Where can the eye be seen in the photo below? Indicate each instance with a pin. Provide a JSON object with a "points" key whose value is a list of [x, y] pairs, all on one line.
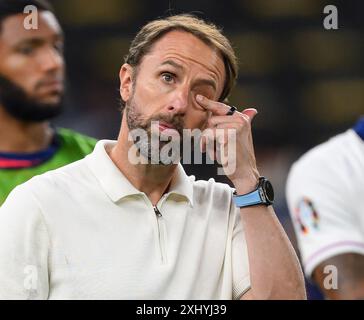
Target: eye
{"points": [[26, 50], [168, 77], [59, 46]]}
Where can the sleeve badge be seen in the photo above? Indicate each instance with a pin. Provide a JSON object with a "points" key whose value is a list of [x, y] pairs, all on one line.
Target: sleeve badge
{"points": [[306, 216]]}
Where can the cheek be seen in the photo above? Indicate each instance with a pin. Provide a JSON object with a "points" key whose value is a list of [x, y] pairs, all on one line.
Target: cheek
{"points": [[149, 96], [143, 90], [20, 71]]}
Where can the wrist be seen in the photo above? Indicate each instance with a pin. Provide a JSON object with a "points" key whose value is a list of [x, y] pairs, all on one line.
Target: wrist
{"points": [[261, 194], [247, 184]]}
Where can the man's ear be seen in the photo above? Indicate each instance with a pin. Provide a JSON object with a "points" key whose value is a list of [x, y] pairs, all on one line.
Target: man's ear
{"points": [[126, 81]]}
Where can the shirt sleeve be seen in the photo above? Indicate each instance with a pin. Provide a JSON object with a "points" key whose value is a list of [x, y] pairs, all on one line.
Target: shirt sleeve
{"points": [[322, 208], [24, 247], [240, 259]]}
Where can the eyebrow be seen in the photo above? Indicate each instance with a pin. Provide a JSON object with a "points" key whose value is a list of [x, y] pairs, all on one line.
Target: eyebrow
{"points": [[207, 82], [39, 41]]}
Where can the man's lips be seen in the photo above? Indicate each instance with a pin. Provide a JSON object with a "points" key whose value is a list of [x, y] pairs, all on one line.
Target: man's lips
{"points": [[51, 89], [51, 85], [164, 126]]}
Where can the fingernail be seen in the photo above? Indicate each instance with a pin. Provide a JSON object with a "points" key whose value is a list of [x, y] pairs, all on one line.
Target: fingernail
{"points": [[199, 98]]}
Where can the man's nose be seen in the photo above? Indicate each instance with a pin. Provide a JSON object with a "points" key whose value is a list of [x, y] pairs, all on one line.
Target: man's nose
{"points": [[180, 100], [51, 60]]}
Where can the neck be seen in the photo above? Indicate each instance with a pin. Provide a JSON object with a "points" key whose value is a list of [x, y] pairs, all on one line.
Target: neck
{"points": [[151, 179], [23, 137]]}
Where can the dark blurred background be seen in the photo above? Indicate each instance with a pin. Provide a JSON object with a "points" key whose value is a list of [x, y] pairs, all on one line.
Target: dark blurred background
{"points": [[307, 82]]}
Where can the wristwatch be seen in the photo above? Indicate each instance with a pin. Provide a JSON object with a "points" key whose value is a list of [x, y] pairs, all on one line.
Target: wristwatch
{"points": [[262, 195]]}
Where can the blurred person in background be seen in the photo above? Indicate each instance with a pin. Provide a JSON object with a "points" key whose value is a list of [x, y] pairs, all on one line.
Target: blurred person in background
{"points": [[105, 227], [325, 194], [32, 72]]}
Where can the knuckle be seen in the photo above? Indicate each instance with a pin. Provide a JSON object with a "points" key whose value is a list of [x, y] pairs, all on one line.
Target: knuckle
{"points": [[241, 120], [246, 120]]}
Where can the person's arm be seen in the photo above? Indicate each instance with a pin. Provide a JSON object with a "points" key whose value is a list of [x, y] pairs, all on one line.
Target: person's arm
{"points": [[322, 196], [275, 272], [349, 269]]}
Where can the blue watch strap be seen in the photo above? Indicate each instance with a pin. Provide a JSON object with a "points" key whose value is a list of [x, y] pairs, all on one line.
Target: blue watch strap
{"points": [[246, 200]]}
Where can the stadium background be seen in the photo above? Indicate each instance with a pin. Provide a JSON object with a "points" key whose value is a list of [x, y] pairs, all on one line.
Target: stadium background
{"points": [[306, 82]]}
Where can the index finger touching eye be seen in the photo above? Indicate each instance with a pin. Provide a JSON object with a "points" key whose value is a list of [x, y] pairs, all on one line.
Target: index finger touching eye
{"points": [[217, 108]]}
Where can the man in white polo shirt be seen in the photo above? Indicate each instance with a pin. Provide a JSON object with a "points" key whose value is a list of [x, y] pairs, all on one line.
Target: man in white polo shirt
{"points": [[108, 228], [326, 200]]}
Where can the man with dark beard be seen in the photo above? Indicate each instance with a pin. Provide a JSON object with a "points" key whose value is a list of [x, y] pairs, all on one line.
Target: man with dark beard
{"points": [[31, 92]]}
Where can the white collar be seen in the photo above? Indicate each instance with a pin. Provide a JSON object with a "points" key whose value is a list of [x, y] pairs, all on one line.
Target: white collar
{"points": [[117, 186]]}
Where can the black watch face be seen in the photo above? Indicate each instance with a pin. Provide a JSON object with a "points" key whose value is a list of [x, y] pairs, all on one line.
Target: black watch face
{"points": [[268, 188]]}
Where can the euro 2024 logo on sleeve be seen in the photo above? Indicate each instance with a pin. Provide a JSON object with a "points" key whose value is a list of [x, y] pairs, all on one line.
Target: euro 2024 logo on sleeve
{"points": [[306, 216]]}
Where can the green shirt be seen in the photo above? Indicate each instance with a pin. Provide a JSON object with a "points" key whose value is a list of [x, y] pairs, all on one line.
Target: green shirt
{"points": [[71, 146]]}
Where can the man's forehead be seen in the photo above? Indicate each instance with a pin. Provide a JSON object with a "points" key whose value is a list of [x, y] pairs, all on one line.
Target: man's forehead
{"points": [[14, 31], [188, 48]]}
